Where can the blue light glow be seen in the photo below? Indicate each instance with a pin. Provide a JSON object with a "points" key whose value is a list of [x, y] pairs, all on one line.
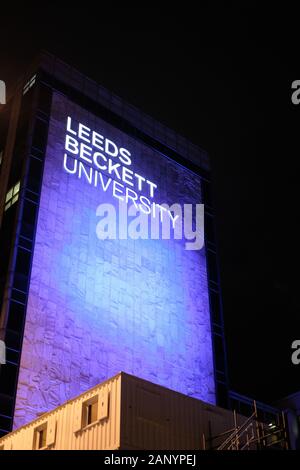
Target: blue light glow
{"points": [[97, 307]]}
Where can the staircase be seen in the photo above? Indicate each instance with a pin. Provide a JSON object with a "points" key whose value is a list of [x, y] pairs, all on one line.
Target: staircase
{"points": [[252, 434]]}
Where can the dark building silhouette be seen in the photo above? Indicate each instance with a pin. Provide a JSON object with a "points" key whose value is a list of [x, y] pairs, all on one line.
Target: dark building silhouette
{"points": [[76, 310]]}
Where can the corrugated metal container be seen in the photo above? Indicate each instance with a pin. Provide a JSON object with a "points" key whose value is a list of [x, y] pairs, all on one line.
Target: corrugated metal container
{"points": [[124, 412], [66, 427], [154, 417]]}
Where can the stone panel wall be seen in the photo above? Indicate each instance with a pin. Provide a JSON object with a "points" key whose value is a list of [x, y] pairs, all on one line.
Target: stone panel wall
{"points": [[97, 307]]}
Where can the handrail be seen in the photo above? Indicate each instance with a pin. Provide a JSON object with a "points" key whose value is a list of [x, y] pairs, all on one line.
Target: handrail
{"points": [[251, 432], [237, 431], [234, 441]]}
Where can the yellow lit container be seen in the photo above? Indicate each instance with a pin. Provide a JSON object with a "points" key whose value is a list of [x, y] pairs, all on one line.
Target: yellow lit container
{"points": [[124, 412]]}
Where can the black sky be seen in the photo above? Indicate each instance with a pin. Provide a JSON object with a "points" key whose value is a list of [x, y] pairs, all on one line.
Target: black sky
{"points": [[216, 77]]}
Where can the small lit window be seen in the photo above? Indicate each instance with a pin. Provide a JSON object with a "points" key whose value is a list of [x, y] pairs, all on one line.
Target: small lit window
{"points": [[90, 411], [40, 437], [16, 188], [29, 84], [12, 196], [9, 195]]}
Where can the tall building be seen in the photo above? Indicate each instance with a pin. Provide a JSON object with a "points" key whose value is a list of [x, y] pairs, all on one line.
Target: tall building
{"points": [[76, 307]]}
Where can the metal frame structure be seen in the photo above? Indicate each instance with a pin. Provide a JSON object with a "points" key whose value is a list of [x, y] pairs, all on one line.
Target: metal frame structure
{"points": [[252, 434]]}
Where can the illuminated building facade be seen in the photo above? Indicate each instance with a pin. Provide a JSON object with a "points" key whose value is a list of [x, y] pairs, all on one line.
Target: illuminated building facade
{"points": [[77, 309]]}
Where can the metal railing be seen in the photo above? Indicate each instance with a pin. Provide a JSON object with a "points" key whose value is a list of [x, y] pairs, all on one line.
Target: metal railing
{"points": [[251, 434]]}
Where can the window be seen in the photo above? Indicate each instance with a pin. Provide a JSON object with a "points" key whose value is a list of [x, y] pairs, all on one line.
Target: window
{"points": [[22, 265], [209, 228], [40, 437], [211, 259], [219, 352], [29, 84], [12, 196], [90, 412], [12, 340], [206, 192], [28, 220], [9, 375], [40, 134], [16, 316], [215, 307], [35, 174], [44, 100]]}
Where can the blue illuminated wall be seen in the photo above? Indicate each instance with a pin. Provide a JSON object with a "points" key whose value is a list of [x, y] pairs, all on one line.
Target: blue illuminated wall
{"points": [[97, 307]]}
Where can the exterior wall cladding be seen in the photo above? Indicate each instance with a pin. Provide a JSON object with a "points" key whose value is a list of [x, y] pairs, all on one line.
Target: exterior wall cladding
{"points": [[131, 414], [88, 308], [97, 307]]}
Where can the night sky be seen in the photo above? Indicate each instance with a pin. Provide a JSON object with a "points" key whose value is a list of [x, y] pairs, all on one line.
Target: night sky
{"points": [[216, 77]]}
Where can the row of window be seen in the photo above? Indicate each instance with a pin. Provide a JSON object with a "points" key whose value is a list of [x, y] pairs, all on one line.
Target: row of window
{"points": [[12, 196], [14, 331], [91, 411]]}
